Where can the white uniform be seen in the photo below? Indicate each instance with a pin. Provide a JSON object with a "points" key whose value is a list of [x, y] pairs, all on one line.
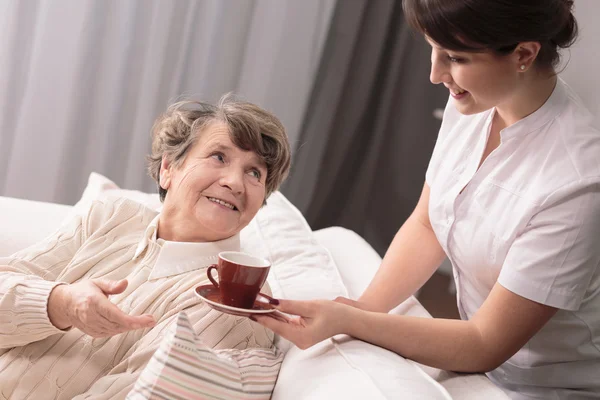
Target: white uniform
{"points": [[529, 219]]}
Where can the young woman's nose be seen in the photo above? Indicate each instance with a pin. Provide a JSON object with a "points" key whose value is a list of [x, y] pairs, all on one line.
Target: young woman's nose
{"points": [[439, 71]]}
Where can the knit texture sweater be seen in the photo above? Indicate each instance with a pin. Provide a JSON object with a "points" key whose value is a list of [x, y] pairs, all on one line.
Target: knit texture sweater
{"points": [[115, 239]]}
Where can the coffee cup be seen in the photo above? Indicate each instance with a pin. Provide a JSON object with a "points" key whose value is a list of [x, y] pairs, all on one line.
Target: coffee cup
{"points": [[241, 276]]}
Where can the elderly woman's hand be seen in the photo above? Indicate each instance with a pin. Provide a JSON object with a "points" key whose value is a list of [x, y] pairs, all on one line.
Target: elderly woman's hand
{"points": [[316, 321], [85, 306]]}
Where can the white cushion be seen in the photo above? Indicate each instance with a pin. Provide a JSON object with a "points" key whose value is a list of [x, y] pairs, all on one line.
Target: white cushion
{"points": [[345, 368], [351, 250], [302, 267], [357, 262], [100, 186], [25, 222]]}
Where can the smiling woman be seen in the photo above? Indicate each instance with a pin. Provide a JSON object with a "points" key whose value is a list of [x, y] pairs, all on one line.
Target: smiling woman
{"points": [[249, 127], [511, 197], [485, 39], [215, 165]]}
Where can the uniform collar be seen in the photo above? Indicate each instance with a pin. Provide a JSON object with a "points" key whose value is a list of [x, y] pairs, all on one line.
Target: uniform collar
{"points": [[548, 111], [180, 257]]}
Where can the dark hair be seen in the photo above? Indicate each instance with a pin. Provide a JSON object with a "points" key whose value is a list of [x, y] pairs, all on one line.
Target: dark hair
{"points": [[497, 25]]}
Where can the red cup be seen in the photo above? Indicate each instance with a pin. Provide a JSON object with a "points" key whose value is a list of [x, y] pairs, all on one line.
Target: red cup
{"points": [[241, 276]]}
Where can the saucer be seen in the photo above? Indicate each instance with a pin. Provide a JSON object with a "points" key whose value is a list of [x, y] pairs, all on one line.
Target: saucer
{"points": [[211, 296]]}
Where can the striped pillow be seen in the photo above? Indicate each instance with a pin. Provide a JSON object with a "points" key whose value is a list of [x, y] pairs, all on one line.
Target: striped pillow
{"points": [[184, 368]]}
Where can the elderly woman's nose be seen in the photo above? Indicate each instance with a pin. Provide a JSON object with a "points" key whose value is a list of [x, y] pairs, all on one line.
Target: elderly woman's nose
{"points": [[233, 178]]}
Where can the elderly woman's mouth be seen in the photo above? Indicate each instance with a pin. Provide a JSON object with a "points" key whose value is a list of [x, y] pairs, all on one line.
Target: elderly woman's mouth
{"points": [[223, 203]]}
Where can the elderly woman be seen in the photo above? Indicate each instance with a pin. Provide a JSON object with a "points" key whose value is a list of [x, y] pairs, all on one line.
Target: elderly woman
{"points": [[61, 337]]}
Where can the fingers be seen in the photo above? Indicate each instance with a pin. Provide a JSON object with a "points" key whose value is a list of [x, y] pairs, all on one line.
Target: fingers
{"points": [[111, 287], [99, 318], [111, 326], [93, 313], [280, 316], [277, 325], [276, 315], [297, 307], [293, 329], [98, 325], [121, 322], [271, 300], [345, 300]]}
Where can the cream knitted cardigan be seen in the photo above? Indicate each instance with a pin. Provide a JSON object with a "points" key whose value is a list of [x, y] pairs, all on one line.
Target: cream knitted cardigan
{"points": [[38, 361]]}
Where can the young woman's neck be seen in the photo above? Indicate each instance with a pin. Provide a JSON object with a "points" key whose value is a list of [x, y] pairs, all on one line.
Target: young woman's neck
{"points": [[531, 95]]}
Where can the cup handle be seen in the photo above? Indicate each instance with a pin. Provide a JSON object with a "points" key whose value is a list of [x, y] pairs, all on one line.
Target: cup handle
{"points": [[210, 277]]}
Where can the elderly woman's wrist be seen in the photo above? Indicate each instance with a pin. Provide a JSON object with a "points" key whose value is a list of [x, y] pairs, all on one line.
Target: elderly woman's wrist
{"points": [[57, 306]]}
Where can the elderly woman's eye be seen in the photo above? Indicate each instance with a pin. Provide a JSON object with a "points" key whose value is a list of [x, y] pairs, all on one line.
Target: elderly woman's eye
{"points": [[218, 157], [255, 173]]}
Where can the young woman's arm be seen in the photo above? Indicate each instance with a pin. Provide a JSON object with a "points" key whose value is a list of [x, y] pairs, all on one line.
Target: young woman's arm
{"points": [[503, 324]]}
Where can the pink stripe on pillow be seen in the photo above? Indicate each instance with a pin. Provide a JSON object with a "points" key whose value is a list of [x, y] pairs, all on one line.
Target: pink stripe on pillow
{"points": [[184, 368]]}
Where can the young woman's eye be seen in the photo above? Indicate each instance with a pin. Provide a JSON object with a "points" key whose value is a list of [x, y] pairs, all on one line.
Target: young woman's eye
{"points": [[219, 157], [455, 59]]}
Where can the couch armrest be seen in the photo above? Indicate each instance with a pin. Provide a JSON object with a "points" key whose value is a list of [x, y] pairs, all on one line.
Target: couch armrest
{"points": [[25, 222], [356, 260], [357, 263]]}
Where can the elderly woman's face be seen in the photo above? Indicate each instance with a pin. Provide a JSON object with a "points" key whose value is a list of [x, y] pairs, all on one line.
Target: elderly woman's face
{"points": [[215, 193]]}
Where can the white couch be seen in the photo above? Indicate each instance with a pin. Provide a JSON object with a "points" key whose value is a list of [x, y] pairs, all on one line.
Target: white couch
{"points": [[306, 264]]}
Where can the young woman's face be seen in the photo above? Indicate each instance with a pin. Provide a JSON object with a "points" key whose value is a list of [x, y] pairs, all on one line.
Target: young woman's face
{"points": [[476, 81]]}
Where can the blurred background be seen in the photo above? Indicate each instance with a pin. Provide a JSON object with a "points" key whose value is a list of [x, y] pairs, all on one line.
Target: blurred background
{"points": [[81, 82]]}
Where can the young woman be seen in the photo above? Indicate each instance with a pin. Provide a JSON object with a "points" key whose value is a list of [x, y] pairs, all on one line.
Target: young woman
{"points": [[511, 197]]}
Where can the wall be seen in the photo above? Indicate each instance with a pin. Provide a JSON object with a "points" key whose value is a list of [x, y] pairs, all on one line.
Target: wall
{"points": [[583, 59]]}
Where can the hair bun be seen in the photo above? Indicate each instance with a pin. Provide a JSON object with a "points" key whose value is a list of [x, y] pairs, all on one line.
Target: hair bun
{"points": [[568, 32]]}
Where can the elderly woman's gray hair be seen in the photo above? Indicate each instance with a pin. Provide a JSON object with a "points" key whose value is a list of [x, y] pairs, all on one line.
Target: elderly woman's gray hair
{"points": [[250, 128]]}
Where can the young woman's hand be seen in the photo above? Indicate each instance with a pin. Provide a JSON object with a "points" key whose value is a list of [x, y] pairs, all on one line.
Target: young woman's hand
{"points": [[85, 306], [315, 321]]}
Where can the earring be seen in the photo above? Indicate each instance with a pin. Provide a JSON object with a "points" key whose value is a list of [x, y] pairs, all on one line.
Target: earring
{"points": [[523, 67]]}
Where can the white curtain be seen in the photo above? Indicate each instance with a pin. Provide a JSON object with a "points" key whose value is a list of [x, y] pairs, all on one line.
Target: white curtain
{"points": [[81, 82]]}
